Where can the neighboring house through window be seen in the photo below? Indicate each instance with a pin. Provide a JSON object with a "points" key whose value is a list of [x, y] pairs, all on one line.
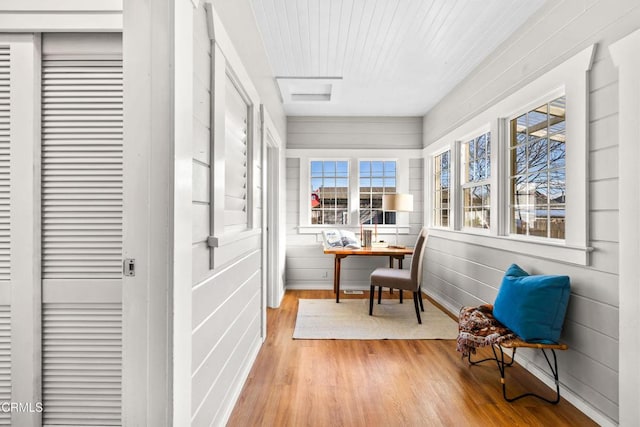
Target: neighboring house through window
{"points": [[377, 178], [329, 192]]}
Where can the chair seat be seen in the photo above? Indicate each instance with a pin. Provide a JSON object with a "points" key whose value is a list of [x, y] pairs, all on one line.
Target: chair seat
{"points": [[392, 278]]}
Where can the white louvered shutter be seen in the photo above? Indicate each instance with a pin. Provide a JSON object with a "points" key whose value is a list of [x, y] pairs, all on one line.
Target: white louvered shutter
{"points": [[82, 239], [236, 165], [5, 230]]}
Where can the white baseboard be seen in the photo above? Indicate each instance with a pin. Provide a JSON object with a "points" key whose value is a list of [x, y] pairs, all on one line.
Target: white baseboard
{"points": [[543, 376], [324, 287]]}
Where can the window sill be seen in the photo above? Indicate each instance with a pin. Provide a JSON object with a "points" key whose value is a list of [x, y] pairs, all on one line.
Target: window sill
{"points": [[539, 249], [387, 230]]}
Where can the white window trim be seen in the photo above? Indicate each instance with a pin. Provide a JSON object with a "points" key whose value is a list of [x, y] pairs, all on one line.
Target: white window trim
{"points": [[569, 78], [353, 156]]}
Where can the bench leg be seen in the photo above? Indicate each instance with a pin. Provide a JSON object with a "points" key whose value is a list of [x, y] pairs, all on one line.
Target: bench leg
{"points": [[502, 365]]}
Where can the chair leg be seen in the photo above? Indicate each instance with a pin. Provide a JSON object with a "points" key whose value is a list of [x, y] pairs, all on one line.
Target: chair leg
{"points": [[421, 302], [416, 304], [379, 294], [401, 292], [372, 291]]}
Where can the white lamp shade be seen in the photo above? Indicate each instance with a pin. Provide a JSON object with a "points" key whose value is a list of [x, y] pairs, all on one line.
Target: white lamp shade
{"points": [[397, 202]]}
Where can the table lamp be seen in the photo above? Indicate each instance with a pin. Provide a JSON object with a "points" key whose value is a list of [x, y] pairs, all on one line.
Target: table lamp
{"points": [[397, 203]]}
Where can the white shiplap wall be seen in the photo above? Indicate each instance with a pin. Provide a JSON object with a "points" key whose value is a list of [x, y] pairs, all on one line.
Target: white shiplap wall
{"points": [[463, 274], [307, 267], [226, 293], [354, 132]]}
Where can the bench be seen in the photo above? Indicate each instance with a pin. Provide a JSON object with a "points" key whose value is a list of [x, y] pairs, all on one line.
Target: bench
{"points": [[499, 339], [528, 312]]}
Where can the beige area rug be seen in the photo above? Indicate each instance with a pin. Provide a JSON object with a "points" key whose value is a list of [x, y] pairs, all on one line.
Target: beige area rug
{"points": [[350, 320]]}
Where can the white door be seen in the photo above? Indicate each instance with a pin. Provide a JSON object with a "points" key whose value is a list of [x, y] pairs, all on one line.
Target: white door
{"points": [[82, 216], [61, 216]]}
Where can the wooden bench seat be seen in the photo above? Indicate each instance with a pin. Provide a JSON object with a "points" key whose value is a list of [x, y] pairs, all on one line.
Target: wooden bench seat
{"points": [[513, 344]]}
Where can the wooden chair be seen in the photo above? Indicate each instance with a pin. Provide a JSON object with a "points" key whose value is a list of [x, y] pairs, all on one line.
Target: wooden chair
{"points": [[407, 280]]}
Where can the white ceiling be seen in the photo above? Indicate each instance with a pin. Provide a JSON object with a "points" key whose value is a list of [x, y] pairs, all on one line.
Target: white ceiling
{"points": [[395, 57]]}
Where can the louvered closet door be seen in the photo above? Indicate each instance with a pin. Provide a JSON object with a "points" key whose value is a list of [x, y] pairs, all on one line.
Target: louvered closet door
{"points": [[5, 232], [82, 214]]}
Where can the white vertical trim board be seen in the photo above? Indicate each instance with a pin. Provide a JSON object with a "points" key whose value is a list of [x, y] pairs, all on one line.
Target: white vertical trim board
{"points": [[25, 255], [626, 56]]}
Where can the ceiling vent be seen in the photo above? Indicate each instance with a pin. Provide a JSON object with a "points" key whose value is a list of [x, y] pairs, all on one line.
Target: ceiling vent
{"points": [[309, 89]]}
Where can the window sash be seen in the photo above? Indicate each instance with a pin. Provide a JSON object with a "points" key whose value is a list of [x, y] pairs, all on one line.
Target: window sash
{"points": [[376, 178], [537, 175]]}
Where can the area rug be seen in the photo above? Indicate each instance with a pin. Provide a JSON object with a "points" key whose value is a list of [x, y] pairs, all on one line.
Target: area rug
{"points": [[350, 320]]}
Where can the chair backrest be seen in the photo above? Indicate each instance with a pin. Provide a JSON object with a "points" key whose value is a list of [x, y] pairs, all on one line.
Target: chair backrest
{"points": [[418, 256]]}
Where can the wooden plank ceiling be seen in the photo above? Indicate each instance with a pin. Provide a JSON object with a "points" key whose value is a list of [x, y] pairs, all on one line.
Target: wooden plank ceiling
{"points": [[395, 57]]}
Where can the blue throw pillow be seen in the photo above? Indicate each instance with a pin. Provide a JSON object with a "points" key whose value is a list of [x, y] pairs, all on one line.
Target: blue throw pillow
{"points": [[533, 307]]}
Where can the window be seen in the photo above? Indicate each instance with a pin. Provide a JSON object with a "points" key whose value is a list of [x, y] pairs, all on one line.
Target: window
{"points": [[329, 192], [538, 184], [343, 191], [475, 166], [441, 175], [376, 178], [537, 177]]}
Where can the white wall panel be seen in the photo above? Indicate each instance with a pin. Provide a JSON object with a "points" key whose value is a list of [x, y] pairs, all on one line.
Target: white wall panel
{"points": [[226, 296], [354, 132]]}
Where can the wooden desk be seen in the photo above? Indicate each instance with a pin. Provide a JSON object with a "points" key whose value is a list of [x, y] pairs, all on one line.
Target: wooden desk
{"points": [[339, 253]]}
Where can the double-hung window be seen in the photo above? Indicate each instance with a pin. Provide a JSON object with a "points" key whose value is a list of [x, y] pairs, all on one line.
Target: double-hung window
{"points": [[441, 188], [522, 186], [329, 191], [377, 178], [347, 191], [475, 155], [537, 177]]}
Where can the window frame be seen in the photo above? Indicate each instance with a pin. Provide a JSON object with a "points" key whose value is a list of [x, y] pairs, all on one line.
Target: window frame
{"points": [[430, 187], [349, 202], [569, 78], [354, 156], [367, 159], [490, 180], [530, 107]]}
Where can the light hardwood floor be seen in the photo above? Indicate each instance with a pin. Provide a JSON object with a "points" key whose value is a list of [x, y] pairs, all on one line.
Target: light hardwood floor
{"points": [[382, 383]]}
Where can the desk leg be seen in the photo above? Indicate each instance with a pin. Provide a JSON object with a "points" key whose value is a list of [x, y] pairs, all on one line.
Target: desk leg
{"points": [[335, 274], [400, 267], [390, 266], [337, 278]]}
